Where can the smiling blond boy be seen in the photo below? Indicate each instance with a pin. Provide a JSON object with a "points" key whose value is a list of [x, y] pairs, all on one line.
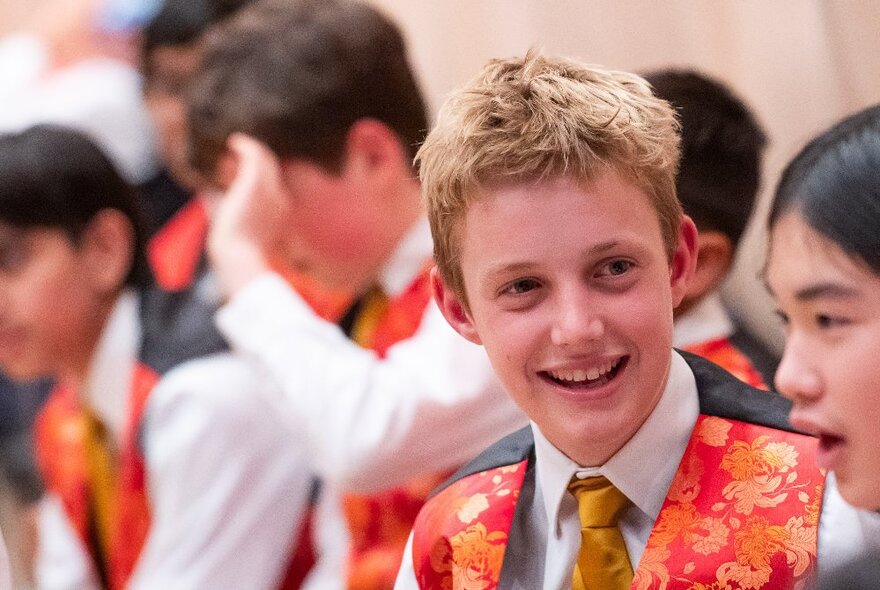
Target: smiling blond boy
{"points": [[562, 249]]}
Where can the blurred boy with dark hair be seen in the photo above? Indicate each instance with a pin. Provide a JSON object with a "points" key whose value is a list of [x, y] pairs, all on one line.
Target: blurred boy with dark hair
{"points": [[311, 110], [162, 467], [718, 179]]}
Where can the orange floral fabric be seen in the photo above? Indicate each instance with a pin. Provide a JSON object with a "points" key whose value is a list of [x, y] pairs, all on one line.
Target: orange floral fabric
{"points": [[742, 513], [402, 316], [724, 354], [379, 524], [460, 535], [61, 434], [176, 249]]}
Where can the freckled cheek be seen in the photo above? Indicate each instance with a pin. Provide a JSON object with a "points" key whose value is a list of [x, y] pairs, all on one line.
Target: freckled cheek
{"points": [[647, 311]]}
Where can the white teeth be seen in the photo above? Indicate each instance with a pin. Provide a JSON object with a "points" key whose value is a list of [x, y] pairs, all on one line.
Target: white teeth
{"points": [[579, 376]]}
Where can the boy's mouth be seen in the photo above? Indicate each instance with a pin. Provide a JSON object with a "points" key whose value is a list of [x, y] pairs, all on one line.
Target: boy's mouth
{"points": [[596, 376]]}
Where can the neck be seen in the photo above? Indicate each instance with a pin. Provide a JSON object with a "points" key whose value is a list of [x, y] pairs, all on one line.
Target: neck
{"points": [[404, 209], [75, 371]]}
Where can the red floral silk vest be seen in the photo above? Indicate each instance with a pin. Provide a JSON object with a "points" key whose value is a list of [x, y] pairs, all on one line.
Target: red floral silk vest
{"points": [[176, 250], [379, 524], [742, 512], [723, 353]]}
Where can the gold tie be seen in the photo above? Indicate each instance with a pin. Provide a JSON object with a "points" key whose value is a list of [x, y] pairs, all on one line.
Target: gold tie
{"points": [[373, 305], [102, 478], [603, 562]]}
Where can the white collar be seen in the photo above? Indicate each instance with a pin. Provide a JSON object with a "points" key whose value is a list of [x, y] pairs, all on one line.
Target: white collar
{"points": [[108, 380], [644, 467], [408, 259], [707, 320]]}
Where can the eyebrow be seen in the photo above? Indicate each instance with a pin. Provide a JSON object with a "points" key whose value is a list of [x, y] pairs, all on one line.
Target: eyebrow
{"points": [[820, 290], [524, 266]]}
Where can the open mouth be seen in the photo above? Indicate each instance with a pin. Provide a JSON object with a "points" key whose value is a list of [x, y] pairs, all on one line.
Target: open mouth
{"points": [[830, 447], [586, 378]]}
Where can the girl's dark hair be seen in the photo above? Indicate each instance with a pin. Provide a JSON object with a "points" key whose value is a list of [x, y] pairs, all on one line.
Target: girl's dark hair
{"points": [[55, 177], [834, 184]]}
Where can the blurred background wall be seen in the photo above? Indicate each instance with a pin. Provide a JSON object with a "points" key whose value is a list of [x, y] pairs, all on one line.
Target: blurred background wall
{"points": [[800, 64]]}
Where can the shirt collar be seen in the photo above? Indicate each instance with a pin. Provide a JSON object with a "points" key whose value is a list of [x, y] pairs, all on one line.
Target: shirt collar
{"points": [[109, 378], [707, 320], [408, 259], [644, 467]]}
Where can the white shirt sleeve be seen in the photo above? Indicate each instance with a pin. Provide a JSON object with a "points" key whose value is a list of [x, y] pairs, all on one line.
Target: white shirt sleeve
{"points": [[845, 532], [406, 576], [228, 482], [5, 570], [62, 562], [431, 404]]}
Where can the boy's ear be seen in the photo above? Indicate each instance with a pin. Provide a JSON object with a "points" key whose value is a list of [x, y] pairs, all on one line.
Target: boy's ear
{"points": [[107, 246], [372, 148], [714, 257], [684, 260], [453, 309]]}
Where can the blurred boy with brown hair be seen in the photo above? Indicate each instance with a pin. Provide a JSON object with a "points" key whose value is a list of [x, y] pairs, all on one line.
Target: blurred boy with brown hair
{"points": [[312, 107]]}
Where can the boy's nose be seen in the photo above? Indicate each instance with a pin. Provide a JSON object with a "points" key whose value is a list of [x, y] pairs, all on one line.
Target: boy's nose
{"points": [[576, 322], [796, 377]]}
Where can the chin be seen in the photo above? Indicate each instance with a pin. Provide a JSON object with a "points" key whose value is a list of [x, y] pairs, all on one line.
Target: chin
{"points": [[18, 372], [861, 495]]}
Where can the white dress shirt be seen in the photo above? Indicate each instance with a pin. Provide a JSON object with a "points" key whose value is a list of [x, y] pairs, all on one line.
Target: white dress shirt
{"points": [[5, 570], [705, 321], [430, 405], [226, 480], [643, 470]]}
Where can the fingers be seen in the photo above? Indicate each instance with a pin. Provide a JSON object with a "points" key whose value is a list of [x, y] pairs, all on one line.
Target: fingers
{"points": [[258, 170], [244, 222]]}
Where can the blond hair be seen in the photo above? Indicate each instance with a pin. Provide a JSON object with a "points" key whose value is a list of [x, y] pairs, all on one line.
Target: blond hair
{"points": [[538, 118]]}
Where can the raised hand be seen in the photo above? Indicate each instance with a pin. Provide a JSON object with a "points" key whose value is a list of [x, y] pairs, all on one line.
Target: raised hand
{"points": [[246, 225]]}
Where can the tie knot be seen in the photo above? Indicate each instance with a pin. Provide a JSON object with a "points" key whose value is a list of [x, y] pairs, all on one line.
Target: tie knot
{"points": [[599, 502]]}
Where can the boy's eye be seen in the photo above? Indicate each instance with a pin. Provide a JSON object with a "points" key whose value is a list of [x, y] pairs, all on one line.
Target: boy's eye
{"points": [[618, 267], [520, 286], [615, 268]]}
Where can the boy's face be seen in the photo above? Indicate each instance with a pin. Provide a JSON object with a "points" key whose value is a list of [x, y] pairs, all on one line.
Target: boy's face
{"points": [[49, 302], [171, 68], [340, 228], [571, 292]]}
